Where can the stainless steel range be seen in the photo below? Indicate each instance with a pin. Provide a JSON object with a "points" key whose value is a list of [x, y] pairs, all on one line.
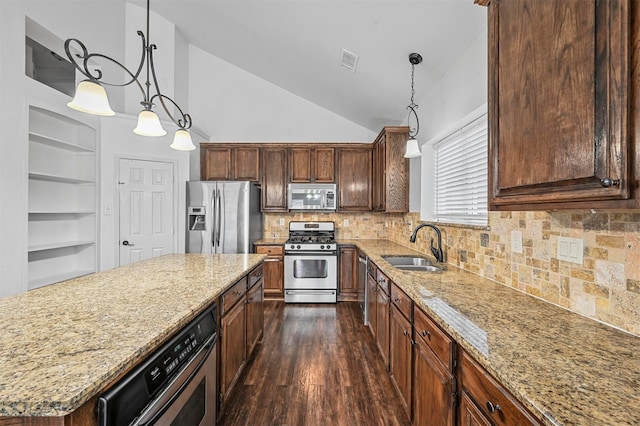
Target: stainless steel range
{"points": [[311, 263]]}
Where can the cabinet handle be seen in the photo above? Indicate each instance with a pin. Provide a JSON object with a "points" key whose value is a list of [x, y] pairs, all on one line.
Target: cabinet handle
{"points": [[405, 332], [396, 299], [607, 182], [425, 333], [493, 407]]}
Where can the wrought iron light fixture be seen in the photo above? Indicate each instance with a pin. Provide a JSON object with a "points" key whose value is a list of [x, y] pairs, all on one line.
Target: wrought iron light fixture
{"points": [[91, 96], [412, 149]]}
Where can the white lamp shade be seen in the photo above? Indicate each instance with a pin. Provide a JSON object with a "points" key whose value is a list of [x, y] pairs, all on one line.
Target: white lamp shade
{"points": [[149, 124], [412, 150], [182, 141], [91, 98]]}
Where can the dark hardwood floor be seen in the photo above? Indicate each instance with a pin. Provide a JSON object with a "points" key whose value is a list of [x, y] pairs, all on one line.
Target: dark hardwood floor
{"points": [[317, 365]]}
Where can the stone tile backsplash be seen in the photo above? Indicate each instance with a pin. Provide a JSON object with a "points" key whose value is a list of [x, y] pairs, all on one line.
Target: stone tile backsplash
{"points": [[605, 287]]}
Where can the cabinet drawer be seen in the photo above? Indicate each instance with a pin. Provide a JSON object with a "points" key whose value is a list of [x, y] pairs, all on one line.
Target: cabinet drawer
{"points": [[270, 250], [439, 341], [383, 282], [235, 293], [255, 276], [493, 400], [401, 300]]}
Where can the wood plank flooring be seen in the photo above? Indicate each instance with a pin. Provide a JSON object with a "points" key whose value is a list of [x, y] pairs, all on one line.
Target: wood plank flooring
{"points": [[317, 365]]}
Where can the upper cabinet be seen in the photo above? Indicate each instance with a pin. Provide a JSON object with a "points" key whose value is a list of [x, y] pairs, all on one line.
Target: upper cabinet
{"points": [[274, 179], [229, 162], [354, 179], [562, 81], [310, 164], [391, 171]]}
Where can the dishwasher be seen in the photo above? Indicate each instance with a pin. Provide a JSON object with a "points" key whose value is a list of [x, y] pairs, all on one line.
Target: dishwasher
{"points": [[362, 286], [175, 385]]}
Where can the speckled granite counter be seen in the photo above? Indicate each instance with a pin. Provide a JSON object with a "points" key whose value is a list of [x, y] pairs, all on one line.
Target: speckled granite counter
{"points": [[60, 345], [270, 242], [567, 369]]}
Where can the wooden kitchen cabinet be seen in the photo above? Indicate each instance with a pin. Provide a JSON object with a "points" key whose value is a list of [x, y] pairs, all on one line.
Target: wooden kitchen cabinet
{"points": [[255, 308], [273, 270], [563, 84], [354, 179], [233, 326], [310, 164], [274, 180], [390, 183], [348, 276], [469, 413], [493, 403], [400, 352], [229, 162]]}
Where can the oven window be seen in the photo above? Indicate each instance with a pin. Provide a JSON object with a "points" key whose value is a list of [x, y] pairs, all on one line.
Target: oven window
{"points": [[306, 199], [310, 268], [194, 409]]}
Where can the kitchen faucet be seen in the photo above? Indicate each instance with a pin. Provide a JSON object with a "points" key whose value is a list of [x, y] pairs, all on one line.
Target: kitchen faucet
{"points": [[437, 252]]}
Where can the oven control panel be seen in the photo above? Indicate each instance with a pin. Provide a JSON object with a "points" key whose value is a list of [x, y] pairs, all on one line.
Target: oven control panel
{"points": [[310, 247]]}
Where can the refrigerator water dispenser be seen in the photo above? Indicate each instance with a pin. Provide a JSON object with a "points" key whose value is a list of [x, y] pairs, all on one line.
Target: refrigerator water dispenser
{"points": [[196, 218]]}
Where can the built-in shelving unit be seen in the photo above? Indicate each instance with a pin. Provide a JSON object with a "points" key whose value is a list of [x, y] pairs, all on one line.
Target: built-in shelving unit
{"points": [[62, 198]]}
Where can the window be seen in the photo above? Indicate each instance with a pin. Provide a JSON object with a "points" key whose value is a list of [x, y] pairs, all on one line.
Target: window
{"points": [[458, 173]]}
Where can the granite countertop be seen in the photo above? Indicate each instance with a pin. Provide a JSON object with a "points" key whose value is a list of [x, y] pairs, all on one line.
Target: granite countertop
{"points": [[270, 242], [62, 344], [567, 369]]}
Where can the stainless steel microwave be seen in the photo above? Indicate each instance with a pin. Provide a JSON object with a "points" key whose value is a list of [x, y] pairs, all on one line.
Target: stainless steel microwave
{"points": [[312, 196]]}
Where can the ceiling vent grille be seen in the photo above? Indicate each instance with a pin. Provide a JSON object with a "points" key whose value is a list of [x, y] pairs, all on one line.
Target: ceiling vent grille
{"points": [[349, 60]]}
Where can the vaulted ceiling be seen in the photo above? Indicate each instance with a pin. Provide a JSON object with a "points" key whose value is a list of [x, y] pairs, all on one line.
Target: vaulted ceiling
{"points": [[297, 45]]}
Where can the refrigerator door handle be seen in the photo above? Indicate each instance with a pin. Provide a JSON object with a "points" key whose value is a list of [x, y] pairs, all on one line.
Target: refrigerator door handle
{"points": [[219, 221], [214, 211]]}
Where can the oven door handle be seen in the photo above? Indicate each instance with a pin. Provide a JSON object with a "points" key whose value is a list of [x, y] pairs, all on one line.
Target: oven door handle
{"points": [[313, 292], [310, 253], [170, 393]]}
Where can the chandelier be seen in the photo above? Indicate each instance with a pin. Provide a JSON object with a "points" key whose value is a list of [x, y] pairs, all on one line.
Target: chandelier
{"points": [[412, 149], [91, 97]]}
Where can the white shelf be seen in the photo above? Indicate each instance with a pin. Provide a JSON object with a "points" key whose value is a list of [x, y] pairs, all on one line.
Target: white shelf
{"points": [[51, 279], [57, 143], [34, 214], [59, 244], [57, 178]]}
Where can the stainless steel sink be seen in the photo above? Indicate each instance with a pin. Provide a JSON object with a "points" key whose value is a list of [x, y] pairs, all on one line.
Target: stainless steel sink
{"points": [[412, 263]]}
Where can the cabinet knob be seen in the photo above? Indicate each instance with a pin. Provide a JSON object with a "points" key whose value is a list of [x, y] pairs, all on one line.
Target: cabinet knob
{"points": [[607, 182], [405, 332], [425, 333], [492, 407], [396, 299]]}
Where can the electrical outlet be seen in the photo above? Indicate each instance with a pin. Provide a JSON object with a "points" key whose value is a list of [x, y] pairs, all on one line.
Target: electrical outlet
{"points": [[346, 222], [282, 221], [571, 249], [516, 241]]}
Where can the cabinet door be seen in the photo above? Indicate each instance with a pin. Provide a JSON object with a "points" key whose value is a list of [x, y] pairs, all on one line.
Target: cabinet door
{"points": [[558, 102], [382, 325], [348, 271], [246, 164], [324, 165], [215, 164], [469, 413], [434, 389], [354, 179], [255, 316], [395, 191], [274, 277], [400, 356], [300, 164], [379, 173], [274, 179], [372, 304], [233, 340]]}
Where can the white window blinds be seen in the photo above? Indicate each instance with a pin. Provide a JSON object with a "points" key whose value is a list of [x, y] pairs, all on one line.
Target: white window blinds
{"points": [[461, 175]]}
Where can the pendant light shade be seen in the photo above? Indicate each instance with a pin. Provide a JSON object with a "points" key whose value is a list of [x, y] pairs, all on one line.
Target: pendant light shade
{"points": [[413, 150], [91, 98], [182, 141], [149, 124]]}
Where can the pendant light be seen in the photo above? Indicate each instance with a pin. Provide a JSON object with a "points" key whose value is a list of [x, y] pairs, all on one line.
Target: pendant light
{"points": [[412, 149], [91, 97]]}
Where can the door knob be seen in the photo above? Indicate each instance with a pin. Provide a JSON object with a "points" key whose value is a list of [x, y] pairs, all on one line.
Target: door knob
{"points": [[126, 243]]}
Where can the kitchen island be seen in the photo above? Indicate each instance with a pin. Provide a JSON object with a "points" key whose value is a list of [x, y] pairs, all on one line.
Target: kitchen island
{"points": [[565, 368], [61, 345]]}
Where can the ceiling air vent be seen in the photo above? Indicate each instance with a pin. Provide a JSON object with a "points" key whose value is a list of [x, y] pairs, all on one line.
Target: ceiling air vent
{"points": [[349, 60]]}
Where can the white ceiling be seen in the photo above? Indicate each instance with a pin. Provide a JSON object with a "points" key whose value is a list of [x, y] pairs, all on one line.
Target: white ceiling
{"points": [[296, 44]]}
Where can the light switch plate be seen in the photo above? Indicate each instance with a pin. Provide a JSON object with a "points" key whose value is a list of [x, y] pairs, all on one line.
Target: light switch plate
{"points": [[282, 221], [571, 249], [346, 222], [516, 241]]}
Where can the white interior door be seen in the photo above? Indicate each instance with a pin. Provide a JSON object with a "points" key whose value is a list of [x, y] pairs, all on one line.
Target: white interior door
{"points": [[146, 209]]}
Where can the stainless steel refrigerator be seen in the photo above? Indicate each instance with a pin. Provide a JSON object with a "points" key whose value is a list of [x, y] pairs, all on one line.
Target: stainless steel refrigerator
{"points": [[222, 217]]}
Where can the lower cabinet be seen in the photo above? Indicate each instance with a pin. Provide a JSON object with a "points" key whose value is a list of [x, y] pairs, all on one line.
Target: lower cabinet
{"points": [[348, 276], [382, 323], [273, 270], [469, 413], [400, 350], [241, 327]]}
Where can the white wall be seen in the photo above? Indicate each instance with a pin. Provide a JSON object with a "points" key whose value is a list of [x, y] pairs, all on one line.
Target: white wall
{"points": [[461, 90]]}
